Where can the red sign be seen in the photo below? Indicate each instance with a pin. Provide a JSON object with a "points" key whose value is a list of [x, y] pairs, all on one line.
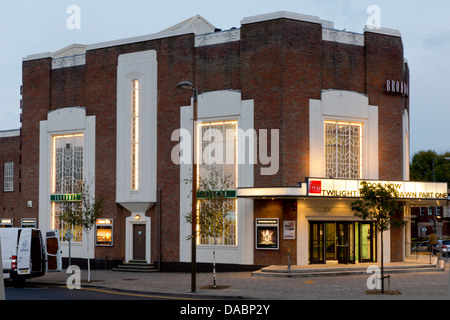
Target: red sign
{"points": [[315, 187]]}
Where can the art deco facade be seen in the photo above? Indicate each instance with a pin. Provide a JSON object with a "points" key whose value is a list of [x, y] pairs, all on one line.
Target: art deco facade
{"points": [[309, 111]]}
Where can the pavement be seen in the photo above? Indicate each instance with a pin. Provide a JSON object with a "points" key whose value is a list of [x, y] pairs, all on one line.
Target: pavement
{"points": [[245, 286]]}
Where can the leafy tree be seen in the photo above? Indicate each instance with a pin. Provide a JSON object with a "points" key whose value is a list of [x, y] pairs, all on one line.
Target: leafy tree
{"points": [[421, 168], [378, 204], [84, 214], [214, 207]]}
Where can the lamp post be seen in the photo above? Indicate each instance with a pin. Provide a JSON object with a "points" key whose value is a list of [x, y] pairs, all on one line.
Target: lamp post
{"points": [[189, 86], [434, 217]]}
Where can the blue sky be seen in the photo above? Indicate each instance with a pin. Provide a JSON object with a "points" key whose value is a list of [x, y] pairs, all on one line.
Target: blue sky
{"points": [[29, 27]]}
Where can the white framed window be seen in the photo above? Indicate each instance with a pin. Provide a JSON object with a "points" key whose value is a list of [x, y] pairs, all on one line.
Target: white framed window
{"points": [[430, 211], [217, 151], [343, 149], [8, 181], [422, 211]]}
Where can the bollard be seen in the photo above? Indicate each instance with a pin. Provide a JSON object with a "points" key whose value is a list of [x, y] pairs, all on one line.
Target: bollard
{"points": [[289, 260]]}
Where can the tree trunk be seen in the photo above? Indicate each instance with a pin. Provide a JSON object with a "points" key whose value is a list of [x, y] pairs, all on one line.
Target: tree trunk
{"points": [[88, 262], [382, 271]]}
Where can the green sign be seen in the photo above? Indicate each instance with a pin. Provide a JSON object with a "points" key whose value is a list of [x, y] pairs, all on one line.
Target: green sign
{"points": [[229, 194], [65, 197]]}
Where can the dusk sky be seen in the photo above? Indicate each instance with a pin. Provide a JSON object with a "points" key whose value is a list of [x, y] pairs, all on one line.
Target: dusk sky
{"points": [[30, 27]]}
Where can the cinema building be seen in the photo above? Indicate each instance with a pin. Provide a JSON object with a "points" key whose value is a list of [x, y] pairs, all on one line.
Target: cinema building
{"points": [[309, 111]]}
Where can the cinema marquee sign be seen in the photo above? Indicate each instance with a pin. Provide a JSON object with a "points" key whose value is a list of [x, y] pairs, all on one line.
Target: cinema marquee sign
{"points": [[342, 188]]}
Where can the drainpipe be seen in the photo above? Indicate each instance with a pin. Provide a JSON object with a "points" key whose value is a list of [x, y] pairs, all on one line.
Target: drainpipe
{"points": [[159, 229]]}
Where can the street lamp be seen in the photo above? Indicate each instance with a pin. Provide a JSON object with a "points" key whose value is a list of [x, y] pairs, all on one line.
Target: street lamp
{"points": [[189, 86], [434, 218]]}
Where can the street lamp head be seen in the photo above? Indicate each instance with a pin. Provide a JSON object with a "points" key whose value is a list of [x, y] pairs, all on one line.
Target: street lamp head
{"points": [[185, 85]]}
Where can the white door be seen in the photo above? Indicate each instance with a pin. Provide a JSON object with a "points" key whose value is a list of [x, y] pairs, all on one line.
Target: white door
{"points": [[24, 252], [53, 251]]}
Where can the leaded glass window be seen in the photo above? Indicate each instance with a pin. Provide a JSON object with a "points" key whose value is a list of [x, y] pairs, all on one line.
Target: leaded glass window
{"points": [[135, 135], [217, 152], [67, 178]]}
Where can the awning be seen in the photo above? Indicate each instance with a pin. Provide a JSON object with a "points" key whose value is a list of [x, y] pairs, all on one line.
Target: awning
{"points": [[431, 193]]}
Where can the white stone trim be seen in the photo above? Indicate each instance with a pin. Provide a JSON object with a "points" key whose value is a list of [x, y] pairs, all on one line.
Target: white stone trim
{"points": [[343, 37], [217, 37], [220, 106], [343, 106], [281, 15], [141, 66], [129, 223], [10, 133], [59, 122], [383, 31], [406, 145]]}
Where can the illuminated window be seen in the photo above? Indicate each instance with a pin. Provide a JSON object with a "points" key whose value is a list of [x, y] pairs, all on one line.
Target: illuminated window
{"points": [[67, 180], [217, 152], [8, 176], [104, 231], [343, 149], [135, 135]]}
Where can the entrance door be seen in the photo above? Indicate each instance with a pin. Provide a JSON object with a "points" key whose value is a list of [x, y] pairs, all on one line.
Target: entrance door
{"points": [[345, 242], [139, 242], [316, 242], [367, 242]]}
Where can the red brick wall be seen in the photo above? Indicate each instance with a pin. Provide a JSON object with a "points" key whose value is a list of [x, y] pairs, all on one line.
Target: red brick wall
{"points": [[11, 206], [282, 210], [36, 104], [385, 60]]}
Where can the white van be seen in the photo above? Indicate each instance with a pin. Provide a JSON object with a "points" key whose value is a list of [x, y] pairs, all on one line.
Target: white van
{"points": [[26, 254]]}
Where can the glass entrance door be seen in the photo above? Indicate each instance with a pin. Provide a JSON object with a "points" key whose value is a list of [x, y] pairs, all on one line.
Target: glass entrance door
{"points": [[345, 242], [367, 242], [316, 242]]}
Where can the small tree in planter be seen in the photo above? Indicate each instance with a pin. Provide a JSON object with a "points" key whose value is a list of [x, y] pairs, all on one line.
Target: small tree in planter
{"points": [[378, 204], [84, 213], [214, 207]]}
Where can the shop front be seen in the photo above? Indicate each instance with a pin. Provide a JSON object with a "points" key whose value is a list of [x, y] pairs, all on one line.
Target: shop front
{"points": [[314, 223]]}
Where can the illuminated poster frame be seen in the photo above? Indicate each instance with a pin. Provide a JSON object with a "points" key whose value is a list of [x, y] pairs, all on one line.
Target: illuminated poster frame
{"points": [[104, 232], [267, 233]]}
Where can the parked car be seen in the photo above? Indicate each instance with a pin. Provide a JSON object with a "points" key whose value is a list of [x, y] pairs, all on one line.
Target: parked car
{"points": [[421, 247], [443, 246]]}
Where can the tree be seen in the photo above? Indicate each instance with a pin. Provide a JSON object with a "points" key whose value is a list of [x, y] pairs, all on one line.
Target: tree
{"points": [[213, 209], [421, 168], [84, 214], [378, 204]]}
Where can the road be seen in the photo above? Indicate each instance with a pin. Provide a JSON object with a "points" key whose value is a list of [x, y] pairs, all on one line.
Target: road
{"points": [[37, 291]]}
